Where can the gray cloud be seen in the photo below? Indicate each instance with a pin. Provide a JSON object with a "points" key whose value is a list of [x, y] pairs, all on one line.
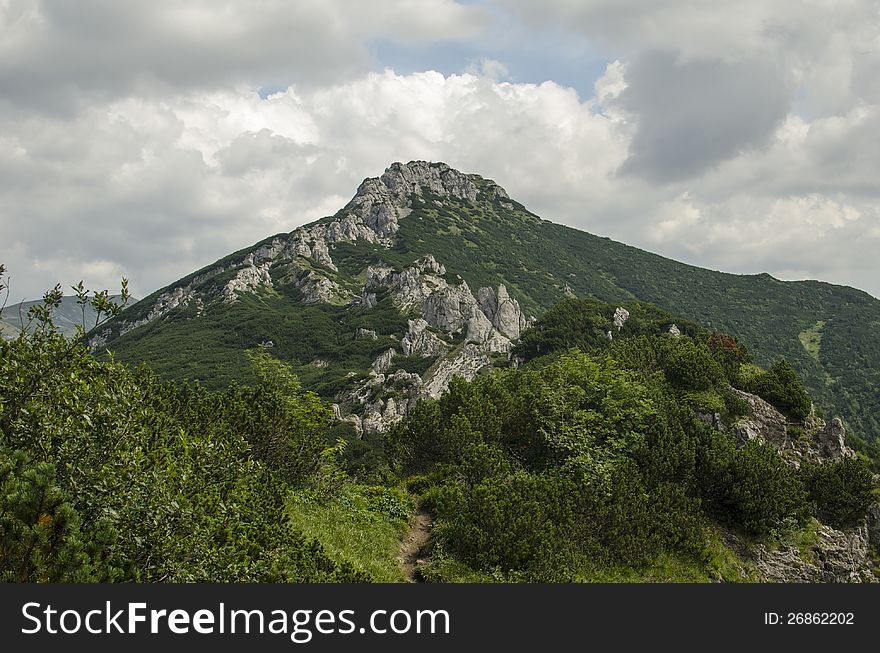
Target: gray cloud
{"points": [[56, 54], [693, 114]]}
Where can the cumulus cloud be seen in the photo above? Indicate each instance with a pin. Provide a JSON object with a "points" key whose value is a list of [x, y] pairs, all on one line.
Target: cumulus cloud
{"points": [[161, 187]]}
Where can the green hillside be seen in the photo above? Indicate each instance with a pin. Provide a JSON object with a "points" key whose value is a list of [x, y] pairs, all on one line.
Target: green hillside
{"points": [[826, 331]]}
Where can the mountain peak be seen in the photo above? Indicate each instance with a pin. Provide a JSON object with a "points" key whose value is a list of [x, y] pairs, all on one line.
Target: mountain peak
{"points": [[402, 180]]}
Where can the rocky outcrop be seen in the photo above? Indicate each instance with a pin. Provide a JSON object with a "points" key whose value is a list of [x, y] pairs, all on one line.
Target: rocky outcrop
{"points": [[411, 286], [837, 557], [502, 311], [247, 279], [765, 423], [420, 341], [366, 300], [418, 177], [450, 308], [465, 363], [830, 441], [872, 521], [674, 331], [383, 401], [621, 315], [317, 288], [817, 441], [365, 334], [383, 362]]}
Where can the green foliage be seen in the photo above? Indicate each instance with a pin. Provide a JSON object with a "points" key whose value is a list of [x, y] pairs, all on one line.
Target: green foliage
{"points": [[730, 354], [532, 471], [781, 387], [842, 490], [690, 365], [111, 474], [40, 535], [285, 426], [358, 527], [751, 487], [597, 458]]}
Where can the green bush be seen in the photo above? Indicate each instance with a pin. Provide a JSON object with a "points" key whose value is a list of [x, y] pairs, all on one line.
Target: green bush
{"points": [[781, 387], [842, 490], [751, 487], [109, 474], [690, 365]]}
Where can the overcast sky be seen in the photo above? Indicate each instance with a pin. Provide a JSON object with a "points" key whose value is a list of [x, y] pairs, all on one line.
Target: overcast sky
{"points": [[149, 138]]}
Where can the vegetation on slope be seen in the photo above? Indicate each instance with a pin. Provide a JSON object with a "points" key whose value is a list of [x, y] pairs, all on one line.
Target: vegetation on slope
{"points": [[110, 474], [489, 242], [588, 463], [596, 465]]}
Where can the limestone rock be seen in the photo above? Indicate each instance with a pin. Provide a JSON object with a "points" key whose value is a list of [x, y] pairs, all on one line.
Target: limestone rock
{"points": [[872, 522], [383, 362], [450, 308], [498, 343], [766, 423], [365, 334], [366, 300], [411, 286], [439, 179], [321, 254], [621, 315], [830, 441], [508, 319], [317, 288], [356, 423], [674, 331], [247, 279], [419, 341], [502, 311], [839, 556], [479, 328], [465, 363]]}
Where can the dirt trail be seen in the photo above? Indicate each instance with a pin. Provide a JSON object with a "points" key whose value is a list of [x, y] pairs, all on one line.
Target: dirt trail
{"points": [[413, 545]]}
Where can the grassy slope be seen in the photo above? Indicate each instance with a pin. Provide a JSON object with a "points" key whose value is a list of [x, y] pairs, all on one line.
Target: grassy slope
{"points": [[351, 530], [488, 244]]}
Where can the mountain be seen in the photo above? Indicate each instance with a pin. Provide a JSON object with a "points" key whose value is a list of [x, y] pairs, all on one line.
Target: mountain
{"points": [[67, 317], [428, 273]]}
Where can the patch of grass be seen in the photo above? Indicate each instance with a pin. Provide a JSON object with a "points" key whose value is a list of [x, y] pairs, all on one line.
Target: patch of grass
{"points": [[804, 539], [811, 339], [361, 526], [723, 564]]}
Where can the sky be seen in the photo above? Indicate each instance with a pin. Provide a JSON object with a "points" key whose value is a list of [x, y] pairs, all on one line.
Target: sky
{"points": [[147, 139]]}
